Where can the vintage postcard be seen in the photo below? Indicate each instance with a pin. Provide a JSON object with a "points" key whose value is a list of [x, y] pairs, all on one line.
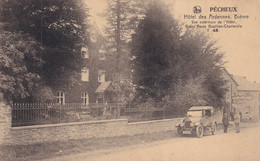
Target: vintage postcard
{"points": [[130, 80]]}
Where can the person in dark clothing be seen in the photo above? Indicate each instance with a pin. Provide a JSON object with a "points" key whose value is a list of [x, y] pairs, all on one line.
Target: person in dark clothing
{"points": [[237, 121], [225, 122]]}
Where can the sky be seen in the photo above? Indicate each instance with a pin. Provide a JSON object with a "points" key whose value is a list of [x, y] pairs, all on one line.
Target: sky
{"points": [[241, 45]]}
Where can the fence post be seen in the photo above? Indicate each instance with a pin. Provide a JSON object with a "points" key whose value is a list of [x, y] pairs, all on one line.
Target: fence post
{"points": [[60, 113], [118, 109], [163, 113], [105, 110]]}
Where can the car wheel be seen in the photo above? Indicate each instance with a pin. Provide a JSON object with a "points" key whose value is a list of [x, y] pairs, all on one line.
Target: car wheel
{"points": [[178, 131], [199, 131], [214, 129]]}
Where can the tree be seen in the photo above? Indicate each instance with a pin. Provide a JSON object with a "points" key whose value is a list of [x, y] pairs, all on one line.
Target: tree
{"points": [[174, 66], [154, 47], [202, 58], [122, 17], [191, 93], [61, 28], [20, 61]]}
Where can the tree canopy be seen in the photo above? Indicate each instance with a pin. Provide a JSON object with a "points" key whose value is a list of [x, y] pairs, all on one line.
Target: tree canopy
{"points": [[60, 26], [20, 62], [154, 48], [175, 66]]}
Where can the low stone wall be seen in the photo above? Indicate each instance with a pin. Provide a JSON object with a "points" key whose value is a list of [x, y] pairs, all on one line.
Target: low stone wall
{"points": [[152, 126], [85, 130], [75, 131], [5, 122]]}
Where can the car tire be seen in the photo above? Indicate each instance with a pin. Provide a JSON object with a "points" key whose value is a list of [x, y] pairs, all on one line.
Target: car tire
{"points": [[199, 131], [214, 128], [178, 131]]}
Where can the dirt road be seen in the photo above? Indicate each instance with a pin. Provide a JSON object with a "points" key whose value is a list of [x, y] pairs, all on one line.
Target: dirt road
{"points": [[243, 146]]}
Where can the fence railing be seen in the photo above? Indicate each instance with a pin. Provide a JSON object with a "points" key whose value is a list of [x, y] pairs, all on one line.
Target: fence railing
{"points": [[24, 114], [145, 114]]}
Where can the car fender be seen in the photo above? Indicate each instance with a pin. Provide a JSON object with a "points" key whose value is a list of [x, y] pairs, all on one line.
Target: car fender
{"points": [[197, 123]]}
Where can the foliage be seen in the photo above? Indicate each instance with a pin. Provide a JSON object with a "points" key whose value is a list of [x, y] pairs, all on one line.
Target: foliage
{"points": [[124, 89], [201, 58], [185, 96], [19, 63], [175, 67], [154, 48], [43, 94], [122, 18], [60, 26]]}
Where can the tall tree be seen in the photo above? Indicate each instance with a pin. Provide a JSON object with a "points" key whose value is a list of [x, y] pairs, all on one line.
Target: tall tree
{"points": [[200, 57], [154, 46], [122, 17], [168, 60], [60, 26]]}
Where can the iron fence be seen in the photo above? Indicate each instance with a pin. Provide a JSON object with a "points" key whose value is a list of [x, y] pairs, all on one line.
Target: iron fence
{"points": [[24, 114], [146, 114]]}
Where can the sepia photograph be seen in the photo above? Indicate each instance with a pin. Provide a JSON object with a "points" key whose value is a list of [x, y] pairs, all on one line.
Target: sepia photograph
{"points": [[129, 80]]}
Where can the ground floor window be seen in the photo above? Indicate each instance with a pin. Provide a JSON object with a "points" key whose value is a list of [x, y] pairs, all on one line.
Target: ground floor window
{"points": [[100, 98], [84, 98], [60, 97]]}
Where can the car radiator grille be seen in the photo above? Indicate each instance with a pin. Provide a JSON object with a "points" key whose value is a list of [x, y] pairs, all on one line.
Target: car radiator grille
{"points": [[187, 124]]}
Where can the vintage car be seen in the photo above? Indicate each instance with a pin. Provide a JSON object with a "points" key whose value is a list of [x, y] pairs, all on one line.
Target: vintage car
{"points": [[198, 121]]}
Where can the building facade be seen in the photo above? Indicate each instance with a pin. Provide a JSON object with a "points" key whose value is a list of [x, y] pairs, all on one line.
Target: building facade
{"points": [[248, 99], [242, 95], [92, 76]]}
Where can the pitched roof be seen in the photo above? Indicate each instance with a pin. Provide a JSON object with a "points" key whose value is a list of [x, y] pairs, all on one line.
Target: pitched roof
{"points": [[102, 87], [230, 75], [244, 84]]}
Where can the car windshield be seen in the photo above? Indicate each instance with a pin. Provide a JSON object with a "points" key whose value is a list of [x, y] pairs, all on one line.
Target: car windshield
{"points": [[194, 113]]}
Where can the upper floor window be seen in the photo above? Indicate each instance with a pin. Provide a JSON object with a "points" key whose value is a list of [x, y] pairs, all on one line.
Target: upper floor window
{"points": [[101, 75], [85, 74], [84, 52], [84, 98], [102, 52], [60, 97]]}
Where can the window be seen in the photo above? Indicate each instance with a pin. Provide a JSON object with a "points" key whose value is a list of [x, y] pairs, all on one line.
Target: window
{"points": [[208, 113], [194, 113], [61, 97], [85, 74], [102, 50], [84, 98], [100, 98], [84, 52], [101, 75]]}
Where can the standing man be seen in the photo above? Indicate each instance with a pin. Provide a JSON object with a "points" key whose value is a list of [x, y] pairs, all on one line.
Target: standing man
{"points": [[237, 121], [225, 122]]}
